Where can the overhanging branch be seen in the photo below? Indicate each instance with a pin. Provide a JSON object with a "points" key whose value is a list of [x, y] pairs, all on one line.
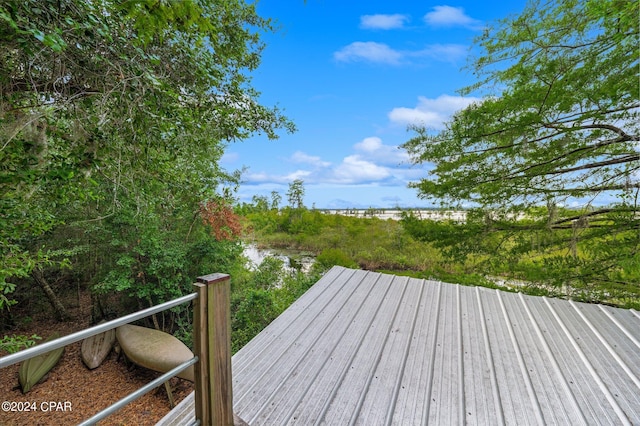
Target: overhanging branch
{"points": [[627, 159]]}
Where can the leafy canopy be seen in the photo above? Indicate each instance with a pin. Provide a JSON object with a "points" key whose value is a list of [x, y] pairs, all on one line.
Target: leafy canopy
{"points": [[113, 118], [559, 117], [558, 124]]}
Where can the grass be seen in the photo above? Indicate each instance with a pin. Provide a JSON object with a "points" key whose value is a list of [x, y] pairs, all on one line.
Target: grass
{"points": [[385, 246]]}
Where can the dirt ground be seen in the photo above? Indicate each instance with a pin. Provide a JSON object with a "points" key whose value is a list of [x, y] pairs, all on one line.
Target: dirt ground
{"points": [[73, 393]]}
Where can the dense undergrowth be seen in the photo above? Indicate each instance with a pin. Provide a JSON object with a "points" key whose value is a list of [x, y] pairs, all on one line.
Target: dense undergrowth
{"points": [[529, 262], [159, 272]]}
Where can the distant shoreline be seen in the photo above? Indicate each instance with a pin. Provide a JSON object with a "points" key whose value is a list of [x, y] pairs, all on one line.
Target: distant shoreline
{"points": [[396, 214]]}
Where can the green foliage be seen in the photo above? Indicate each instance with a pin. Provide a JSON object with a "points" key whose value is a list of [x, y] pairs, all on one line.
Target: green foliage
{"points": [[295, 194], [454, 239], [258, 297], [585, 263], [370, 243], [301, 222], [253, 312], [155, 258], [113, 117], [333, 256], [261, 203], [15, 343], [269, 273], [560, 114], [275, 200], [558, 124]]}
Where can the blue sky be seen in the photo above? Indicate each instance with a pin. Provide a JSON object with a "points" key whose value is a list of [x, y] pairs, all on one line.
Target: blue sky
{"points": [[352, 75]]}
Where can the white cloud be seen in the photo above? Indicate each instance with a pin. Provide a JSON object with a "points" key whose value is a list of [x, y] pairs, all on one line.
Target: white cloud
{"points": [[373, 149], [255, 178], [298, 174], [383, 22], [265, 178], [371, 163], [368, 51], [301, 157], [370, 144], [431, 113], [229, 157], [416, 116], [443, 52], [448, 16], [383, 54], [354, 169]]}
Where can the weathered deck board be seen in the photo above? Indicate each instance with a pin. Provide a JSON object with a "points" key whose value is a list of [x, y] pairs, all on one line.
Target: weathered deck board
{"points": [[374, 348]]}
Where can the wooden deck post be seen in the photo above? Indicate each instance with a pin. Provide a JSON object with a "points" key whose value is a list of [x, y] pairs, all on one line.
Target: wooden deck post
{"points": [[200, 346], [214, 397]]}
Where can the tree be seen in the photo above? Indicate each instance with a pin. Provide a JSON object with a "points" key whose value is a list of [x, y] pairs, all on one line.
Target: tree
{"points": [[260, 203], [223, 221], [113, 116], [557, 125], [275, 200], [295, 194]]}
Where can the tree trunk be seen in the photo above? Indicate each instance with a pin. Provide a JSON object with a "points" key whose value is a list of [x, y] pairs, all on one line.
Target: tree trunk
{"points": [[58, 308]]}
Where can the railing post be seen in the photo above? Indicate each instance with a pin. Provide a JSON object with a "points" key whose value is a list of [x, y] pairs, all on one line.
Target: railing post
{"points": [[200, 346], [218, 408]]}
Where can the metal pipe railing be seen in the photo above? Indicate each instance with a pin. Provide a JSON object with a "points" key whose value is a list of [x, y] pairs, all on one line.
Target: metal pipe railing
{"points": [[138, 393], [212, 347], [101, 328]]}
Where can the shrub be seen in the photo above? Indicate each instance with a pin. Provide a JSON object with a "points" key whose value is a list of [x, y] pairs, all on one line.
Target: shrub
{"points": [[253, 312], [331, 257]]}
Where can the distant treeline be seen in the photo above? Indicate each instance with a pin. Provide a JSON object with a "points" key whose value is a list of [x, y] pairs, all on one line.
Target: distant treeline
{"points": [[558, 251]]}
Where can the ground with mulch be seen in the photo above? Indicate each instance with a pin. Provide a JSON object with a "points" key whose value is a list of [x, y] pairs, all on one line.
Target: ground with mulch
{"points": [[72, 393]]}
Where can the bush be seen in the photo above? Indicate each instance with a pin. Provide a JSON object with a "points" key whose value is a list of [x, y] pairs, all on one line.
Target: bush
{"points": [[253, 312], [332, 257]]}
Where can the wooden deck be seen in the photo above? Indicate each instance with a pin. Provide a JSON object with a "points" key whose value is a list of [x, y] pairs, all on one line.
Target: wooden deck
{"points": [[367, 348], [183, 414]]}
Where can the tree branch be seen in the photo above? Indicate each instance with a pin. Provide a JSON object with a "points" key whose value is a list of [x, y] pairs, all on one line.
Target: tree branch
{"points": [[617, 187], [622, 160], [590, 214], [575, 151], [560, 129]]}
